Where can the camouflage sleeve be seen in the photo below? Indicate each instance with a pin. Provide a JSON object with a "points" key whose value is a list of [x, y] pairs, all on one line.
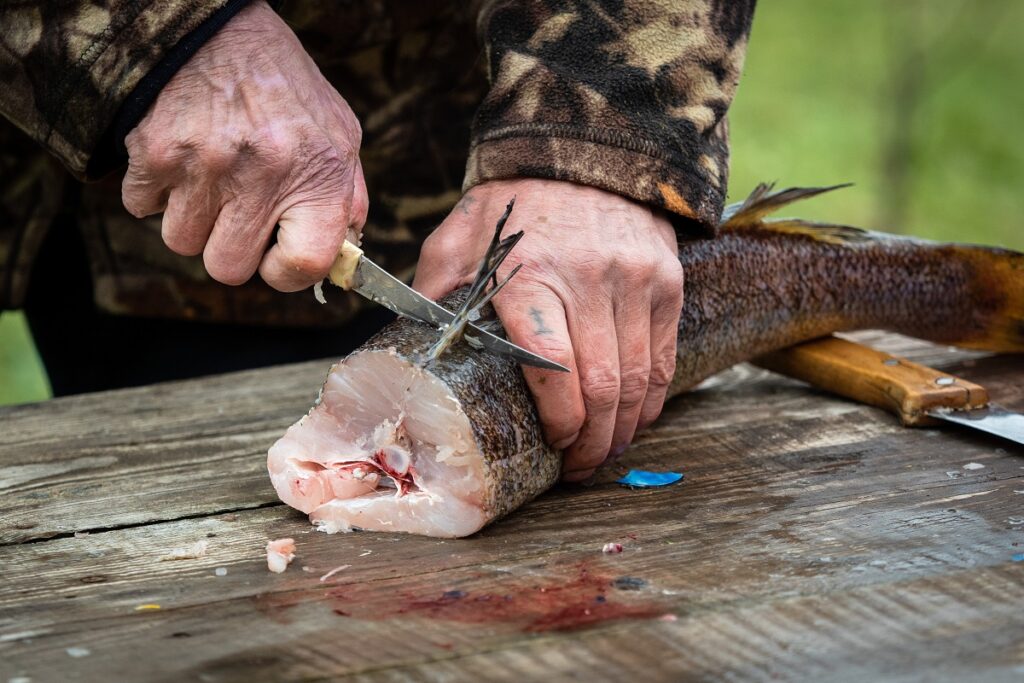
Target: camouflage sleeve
{"points": [[67, 67], [626, 95]]}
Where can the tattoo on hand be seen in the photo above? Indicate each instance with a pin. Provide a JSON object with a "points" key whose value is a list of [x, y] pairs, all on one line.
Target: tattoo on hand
{"points": [[538, 320]]}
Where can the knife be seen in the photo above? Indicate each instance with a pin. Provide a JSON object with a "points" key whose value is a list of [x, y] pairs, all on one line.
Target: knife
{"points": [[919, 395], [353, 271]]}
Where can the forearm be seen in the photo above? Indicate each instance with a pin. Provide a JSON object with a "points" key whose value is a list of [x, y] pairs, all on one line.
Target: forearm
{"points": [[631, 100], [74, 71]]}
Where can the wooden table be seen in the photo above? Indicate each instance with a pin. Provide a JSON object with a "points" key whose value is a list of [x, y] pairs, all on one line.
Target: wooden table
{"points": [[811, 539]]}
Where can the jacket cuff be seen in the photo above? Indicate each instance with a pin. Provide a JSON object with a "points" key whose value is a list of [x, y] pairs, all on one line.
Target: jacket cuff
{"points": [[692, 191], [85, 89], [110, 152]]}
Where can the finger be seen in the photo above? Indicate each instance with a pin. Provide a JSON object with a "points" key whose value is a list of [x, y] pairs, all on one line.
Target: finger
{"points": [[633, 334], [442, 266], [143, 193], [308, 241], [189, 218], [665, 312], [597, 357], [534, 318], [237, 242]]}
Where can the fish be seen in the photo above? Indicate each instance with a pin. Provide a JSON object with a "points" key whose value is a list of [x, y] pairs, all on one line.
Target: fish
{"points": [[443, 448]]}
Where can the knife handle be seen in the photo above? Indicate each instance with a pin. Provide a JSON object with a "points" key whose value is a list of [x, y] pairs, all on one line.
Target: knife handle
{"points": [[344, 267], [859, 372]]}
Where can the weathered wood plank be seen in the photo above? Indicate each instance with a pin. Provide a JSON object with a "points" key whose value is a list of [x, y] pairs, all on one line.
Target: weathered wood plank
{"points": [[146, 454], [197, 447], [960, 627], [812, 536], [766, 514]]}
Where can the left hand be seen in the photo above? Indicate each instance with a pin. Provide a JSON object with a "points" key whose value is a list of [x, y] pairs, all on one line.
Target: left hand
{"points": [[600, 291]]}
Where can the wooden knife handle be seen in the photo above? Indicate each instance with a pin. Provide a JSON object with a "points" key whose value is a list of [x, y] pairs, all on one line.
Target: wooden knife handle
{"points": [[869, 376], [344, 267]]}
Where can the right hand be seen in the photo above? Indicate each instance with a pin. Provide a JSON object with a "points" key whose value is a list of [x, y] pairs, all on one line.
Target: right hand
{"points": [[247, 135]]}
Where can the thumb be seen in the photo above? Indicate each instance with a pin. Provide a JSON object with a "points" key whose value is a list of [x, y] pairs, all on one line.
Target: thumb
{"points": [[446, 260]]}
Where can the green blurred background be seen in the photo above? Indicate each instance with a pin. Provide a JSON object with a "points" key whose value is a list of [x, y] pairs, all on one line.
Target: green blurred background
{"points": [[918, 102]]}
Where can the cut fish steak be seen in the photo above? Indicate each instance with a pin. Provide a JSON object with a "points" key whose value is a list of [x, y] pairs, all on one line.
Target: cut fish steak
{"points": [[392, 445]]}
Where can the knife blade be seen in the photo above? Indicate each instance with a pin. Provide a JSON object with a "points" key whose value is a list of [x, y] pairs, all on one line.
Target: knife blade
{"points": [[992, 419], [353, 271], [917, 394]]}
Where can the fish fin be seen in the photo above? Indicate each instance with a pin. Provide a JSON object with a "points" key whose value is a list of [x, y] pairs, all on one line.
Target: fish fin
{"points": [[823, 232], [479, 294], [762, 201]]}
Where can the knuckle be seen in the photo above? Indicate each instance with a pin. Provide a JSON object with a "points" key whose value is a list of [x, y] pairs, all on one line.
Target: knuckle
{"points": [[217, 159], [600, 387], [564, 423], [672, 277], [639, 267], [324, 163], [633, 385], [158, 156], [276, 156], [353, 127], [335, 156], [663, 370], [360, 207]]}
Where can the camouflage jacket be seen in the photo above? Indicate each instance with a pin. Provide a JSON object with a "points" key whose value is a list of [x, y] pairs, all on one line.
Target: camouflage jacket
{"points": [[626, 95]]}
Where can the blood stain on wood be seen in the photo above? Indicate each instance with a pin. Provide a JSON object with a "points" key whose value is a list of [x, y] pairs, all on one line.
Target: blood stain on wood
{"points": [[586, 598]]}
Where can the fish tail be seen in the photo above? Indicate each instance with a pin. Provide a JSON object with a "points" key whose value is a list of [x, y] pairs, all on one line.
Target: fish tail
{"points": [[997, 288]]}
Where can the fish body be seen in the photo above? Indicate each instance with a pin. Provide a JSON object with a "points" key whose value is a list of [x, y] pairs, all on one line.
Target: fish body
{"points": [[442, 448], [394, 445]]}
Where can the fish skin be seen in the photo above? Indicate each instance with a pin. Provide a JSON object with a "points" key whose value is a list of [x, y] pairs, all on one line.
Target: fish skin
{"points": [[518, 464], [765, 285], [757, 287]]}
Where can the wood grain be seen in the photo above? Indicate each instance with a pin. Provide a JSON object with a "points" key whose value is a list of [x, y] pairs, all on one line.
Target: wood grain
{"points": [[813, 538]]}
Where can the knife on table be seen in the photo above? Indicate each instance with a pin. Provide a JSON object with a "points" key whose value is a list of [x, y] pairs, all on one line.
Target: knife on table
{"points": [[353, 271], [919, 395]]}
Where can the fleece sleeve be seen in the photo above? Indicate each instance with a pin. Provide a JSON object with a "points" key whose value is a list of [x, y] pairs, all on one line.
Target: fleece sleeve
{"points": [[629, 96], [73, 70]]}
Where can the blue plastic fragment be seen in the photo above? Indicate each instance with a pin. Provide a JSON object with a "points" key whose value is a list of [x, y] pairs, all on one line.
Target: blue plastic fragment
{"points": [[1019, 557], [645, 479]]}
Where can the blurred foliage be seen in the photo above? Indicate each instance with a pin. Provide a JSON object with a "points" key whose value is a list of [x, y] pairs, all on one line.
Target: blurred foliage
{"points": [[918, 102], [22, 378]]}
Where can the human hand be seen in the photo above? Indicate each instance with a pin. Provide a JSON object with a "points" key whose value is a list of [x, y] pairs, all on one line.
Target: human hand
{"points": [[600, 291], [248, 135]]}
